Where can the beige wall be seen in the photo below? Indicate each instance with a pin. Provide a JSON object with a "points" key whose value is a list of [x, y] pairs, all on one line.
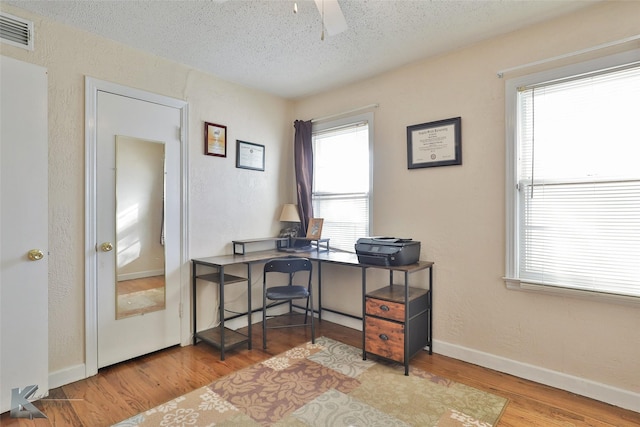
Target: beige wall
{"points": [[458, 212], [224, 200]]}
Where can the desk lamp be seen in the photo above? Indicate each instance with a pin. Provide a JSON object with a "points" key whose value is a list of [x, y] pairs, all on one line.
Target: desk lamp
{"points": [[290, 216]]}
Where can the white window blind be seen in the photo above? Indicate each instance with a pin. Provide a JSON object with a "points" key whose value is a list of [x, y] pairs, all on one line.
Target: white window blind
{"points": [[341, 182], [578, 182]]}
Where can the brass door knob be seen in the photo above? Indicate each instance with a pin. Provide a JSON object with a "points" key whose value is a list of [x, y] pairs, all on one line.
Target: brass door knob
{"points": [[35, 255], [106, 247]]}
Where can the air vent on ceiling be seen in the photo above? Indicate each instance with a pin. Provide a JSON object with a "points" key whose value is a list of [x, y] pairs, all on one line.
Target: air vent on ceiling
{"points": [[16, 31]]}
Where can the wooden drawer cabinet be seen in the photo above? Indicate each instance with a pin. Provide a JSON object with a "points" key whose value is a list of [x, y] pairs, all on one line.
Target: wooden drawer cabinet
{"points": [[396, 323], [385, 309], [384, 338]]}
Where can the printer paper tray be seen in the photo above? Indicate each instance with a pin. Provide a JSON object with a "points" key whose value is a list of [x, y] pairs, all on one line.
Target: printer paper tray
{"points": [[373, 260]]}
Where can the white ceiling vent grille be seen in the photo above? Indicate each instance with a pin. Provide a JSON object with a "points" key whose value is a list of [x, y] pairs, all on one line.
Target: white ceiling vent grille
{"points": [[16, 31]]}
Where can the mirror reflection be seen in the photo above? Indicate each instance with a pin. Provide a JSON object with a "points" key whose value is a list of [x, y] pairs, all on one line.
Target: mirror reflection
{"points": [[140, 266]]}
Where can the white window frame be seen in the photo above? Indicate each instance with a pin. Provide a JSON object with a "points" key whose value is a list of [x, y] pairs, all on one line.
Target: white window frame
{"points": [[512, 260], [343, 122]]}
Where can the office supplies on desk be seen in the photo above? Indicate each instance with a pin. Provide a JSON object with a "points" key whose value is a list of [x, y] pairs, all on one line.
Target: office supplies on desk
{"points": [[389, 251]]}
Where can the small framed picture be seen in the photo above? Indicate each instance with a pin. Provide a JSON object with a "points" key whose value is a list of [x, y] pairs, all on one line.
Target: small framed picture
{"points": [[434, 144], [215, 140], [249, 155], [314, 230]]}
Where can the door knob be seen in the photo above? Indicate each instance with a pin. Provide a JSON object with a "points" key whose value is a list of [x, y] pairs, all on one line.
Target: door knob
{"points": [[106, 247], [35, 255]]}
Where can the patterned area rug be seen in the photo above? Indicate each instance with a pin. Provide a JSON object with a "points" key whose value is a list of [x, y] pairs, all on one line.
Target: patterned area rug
{"points": [[327, 384]]}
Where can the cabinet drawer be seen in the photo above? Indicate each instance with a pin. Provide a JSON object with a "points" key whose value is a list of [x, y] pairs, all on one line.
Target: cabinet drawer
{"points": [[386, 309], [384, 338]]}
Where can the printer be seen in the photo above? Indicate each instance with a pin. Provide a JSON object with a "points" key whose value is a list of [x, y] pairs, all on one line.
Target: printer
{"points": [[388, 251]]}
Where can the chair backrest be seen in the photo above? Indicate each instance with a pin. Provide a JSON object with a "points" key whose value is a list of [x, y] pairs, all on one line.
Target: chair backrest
{"points": [[288, 265]]}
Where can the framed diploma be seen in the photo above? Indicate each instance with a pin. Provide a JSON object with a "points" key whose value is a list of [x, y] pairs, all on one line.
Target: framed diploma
{"points": [[249, 155], [215, 140], [434, 144]]}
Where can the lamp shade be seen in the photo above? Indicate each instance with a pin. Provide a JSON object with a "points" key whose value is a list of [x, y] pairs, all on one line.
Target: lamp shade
{"points": [[290, 213]]}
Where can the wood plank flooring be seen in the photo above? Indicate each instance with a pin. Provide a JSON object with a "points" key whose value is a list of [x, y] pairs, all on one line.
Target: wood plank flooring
{"points": [[142, 284], [126, 389]]}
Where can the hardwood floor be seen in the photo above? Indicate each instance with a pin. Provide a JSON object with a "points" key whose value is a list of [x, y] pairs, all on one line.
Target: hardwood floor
{"points": [[142, 284], [123, 390]]}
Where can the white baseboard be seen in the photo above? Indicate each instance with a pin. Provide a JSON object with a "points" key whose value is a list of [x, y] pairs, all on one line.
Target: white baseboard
{"points": [[340, 319], [67, 375], [140, 275], [615, 396], [241, 322]]}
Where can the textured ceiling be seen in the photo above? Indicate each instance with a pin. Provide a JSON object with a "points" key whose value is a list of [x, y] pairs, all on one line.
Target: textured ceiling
{"points": [[264, 45]]}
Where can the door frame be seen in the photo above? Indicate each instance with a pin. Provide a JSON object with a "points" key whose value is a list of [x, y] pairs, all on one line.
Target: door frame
{"points": [[92, 87]]}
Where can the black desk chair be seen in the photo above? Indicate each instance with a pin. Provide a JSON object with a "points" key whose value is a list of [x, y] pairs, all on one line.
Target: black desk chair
{"points": [[276, 295]]}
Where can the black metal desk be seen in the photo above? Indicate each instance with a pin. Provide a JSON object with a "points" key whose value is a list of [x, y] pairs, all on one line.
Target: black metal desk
{"points": [[220, 337], [223, 338]]}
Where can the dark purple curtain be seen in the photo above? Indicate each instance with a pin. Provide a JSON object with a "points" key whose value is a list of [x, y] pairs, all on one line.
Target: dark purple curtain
{"points": [[303, 156]]}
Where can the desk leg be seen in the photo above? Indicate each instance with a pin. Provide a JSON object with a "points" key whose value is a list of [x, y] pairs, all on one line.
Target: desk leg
{"points": [[193, 300], [319, 292], [407, 323], [249, 302], [364, 311], [221, 312], [430, 306]]}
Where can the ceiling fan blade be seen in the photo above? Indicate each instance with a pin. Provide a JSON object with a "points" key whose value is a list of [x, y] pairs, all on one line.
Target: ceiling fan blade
{"points": [[334, 21]]}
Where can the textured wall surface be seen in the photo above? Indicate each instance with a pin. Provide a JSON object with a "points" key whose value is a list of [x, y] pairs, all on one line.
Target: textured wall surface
{"points": [[226, 203], [458, 212]]}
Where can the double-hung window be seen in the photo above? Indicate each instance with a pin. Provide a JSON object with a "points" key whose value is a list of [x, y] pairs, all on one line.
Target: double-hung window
{"points": [[573, 178], [342, 178]]}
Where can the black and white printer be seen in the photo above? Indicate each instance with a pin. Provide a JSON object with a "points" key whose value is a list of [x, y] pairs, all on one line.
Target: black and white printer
{"points": [[388, 251]]}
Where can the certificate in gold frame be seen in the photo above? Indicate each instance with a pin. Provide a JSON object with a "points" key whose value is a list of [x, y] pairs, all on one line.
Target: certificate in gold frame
{"points": [[215, 140], [436, 143]]}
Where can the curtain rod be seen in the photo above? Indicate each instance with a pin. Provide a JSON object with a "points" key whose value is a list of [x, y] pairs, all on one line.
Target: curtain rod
{"points": [[568, 55], [353, 110]]}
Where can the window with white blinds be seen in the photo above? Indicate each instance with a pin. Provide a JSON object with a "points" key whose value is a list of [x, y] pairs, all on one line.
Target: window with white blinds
{"points": [[576, 190], [342, 179]]}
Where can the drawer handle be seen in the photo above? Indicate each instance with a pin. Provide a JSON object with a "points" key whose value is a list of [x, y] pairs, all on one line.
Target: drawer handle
{"points": [[384, 337], [384, 307]]}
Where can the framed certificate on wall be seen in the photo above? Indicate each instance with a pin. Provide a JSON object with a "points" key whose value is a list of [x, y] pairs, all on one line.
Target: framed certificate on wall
{"points": [[249, 155], [215, 140], [434, 144]]}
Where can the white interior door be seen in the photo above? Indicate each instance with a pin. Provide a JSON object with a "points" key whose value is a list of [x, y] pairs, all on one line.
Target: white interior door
{"points": [[123, 119], [24, 217]]}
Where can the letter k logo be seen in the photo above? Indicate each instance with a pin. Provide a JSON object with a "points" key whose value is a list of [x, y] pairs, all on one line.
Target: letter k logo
{"points": [[21, 407]]}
